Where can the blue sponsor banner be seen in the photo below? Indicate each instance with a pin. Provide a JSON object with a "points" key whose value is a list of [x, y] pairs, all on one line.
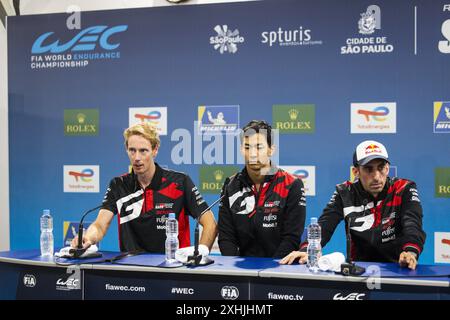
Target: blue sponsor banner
{"points": [[234, 60]]}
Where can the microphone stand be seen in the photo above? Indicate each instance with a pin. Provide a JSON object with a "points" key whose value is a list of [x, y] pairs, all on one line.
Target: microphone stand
{"points": [[349, 268], [197, 259], [79, 250]]}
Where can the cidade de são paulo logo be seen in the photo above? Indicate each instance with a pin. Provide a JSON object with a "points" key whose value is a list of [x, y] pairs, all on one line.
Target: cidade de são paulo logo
{"points": [[370, 39]]}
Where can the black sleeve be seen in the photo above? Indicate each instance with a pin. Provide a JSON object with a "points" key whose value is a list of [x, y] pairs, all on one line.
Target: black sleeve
{"points": [[294, 220], [413, 236], [228, 242], [194, 202], [331, 216], [109, 200]]}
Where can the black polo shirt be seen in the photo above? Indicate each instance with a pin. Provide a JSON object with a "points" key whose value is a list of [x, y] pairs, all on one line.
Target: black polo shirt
{"points": [[142, 214]]}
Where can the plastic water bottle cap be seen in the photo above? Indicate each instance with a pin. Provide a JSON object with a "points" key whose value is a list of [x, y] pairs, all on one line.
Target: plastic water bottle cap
{"points": [[314, 220], [46, 212], [172, 215]]}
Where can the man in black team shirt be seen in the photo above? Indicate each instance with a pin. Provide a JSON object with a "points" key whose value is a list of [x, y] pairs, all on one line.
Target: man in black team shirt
{"points": [[262, 213], [385, 213], [143, 199]]}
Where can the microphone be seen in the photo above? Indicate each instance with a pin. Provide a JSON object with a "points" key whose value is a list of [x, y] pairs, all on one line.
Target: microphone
{"points": [[349, 268], [79, 250], [196, 259]]}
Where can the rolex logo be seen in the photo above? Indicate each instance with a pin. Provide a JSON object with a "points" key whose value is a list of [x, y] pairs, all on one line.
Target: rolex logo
{"points": [[81, 122], [294, 118], [293, 114], [218, 175], [81, 118]]}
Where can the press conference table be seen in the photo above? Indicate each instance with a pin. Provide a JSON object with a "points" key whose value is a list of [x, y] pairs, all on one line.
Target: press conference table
{"points": [[26, 275]]}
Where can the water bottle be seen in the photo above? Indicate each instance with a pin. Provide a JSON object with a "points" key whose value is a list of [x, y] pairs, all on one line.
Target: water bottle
{"points": [[171, 238], [46, 234], [314, 249]]}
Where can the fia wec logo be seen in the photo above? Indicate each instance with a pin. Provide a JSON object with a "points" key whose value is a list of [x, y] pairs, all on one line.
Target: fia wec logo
{"points": [[351, 296], [85, 40], [70, 282]]}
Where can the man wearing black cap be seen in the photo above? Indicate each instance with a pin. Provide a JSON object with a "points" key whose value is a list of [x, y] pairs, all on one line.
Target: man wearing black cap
{"points": [[385, 213]]}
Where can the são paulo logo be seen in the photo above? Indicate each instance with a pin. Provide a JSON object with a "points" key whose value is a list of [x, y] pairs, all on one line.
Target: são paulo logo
{"points": [[226, 40]]}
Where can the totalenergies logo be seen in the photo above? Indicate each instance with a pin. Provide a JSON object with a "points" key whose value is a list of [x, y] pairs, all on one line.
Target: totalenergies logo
{"points": [[85, 40], [378, 113], [152, 116], [84, 175], [302, 174]]}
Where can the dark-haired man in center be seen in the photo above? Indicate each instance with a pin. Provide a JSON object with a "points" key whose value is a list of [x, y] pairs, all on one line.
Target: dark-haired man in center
{"points": [[262, 213]]}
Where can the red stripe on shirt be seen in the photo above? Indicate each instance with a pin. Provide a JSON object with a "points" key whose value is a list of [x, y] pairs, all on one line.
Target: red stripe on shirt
{"points": [[118, 227], [398, 186], [281, 187], [171, 191], [415, 246], [148, 201], [397, 201]]}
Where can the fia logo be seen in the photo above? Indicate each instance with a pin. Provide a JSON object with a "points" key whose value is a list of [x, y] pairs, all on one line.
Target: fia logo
{"points": [[229, 293], [29, 281]]}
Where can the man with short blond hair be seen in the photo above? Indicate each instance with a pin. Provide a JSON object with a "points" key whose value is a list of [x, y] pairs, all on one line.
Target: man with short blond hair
{"points": [[143, 199]]}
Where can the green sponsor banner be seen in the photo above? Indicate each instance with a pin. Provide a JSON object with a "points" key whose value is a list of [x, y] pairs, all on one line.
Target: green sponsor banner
{"points": [[442, 182], [81, 122], [213, 177], [294, 118]]}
